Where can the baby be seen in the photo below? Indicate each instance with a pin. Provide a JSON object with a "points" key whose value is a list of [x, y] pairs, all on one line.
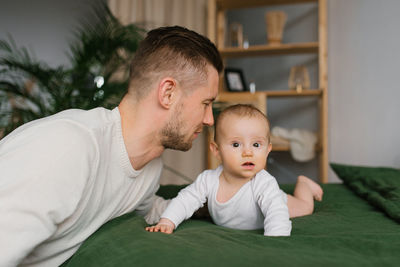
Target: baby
{"points": [[240, 193]]}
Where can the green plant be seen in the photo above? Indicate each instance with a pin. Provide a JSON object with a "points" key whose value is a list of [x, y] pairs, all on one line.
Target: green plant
{"points": [[96, 76]]}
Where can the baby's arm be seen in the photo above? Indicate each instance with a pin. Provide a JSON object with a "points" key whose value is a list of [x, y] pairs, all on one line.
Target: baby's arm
{"points": [[274, 209], [182, 207]]}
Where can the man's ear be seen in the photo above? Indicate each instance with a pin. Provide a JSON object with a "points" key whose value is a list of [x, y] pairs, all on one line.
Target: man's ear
{"points": [[214, 149], [166, 92]]}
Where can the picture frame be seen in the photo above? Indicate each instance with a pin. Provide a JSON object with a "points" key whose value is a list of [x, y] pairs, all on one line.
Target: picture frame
{"points": [[234, 80]]}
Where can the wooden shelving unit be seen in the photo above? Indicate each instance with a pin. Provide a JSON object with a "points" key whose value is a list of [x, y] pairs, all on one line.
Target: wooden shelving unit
{"points": [[216, 33]]}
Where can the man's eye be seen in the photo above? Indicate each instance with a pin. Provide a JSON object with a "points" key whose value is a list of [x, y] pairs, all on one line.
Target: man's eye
{"points": [[256, 144], [235, 144]]}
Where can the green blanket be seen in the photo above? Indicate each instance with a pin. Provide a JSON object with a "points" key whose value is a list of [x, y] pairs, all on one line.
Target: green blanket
{"points": [[380, 186], [343, 231]]}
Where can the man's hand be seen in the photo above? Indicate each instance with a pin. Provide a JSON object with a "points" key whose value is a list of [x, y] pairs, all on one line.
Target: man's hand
{"points": [[163, 226]]}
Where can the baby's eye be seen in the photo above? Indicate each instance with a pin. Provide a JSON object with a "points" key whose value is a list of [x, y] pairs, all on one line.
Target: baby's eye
{"points": [[235, 144], [256, 145]]}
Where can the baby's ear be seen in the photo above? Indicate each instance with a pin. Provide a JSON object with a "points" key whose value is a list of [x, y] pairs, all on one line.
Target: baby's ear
{"points": [[214, 149], [269, 147]]}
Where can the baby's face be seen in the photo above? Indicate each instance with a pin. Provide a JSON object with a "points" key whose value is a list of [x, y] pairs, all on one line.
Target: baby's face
{"points": [[243, 145]]}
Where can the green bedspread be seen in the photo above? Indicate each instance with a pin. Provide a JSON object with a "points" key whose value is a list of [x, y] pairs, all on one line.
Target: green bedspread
{"points": [[380, 186], [343, 231]]}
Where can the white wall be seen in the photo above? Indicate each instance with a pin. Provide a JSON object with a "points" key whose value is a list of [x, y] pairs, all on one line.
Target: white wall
{"points": [[364, 82], [43, 26]]}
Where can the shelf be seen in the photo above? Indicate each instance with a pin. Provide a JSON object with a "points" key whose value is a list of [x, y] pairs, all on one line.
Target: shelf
{"points": [[232, 4], [288, 93], [280, 148], [280, 144], [276, 93], [264, 50], [283, 148]]}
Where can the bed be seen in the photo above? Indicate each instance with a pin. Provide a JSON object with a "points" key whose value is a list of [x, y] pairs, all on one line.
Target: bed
{"points": [[357, 224]]}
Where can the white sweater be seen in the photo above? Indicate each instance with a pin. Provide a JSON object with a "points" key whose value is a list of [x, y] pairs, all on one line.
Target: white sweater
{"points": [[258, 204], [61, 178]]}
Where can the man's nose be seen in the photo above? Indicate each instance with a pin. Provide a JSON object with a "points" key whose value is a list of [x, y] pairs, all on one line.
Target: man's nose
{"points": [[208, 117]]}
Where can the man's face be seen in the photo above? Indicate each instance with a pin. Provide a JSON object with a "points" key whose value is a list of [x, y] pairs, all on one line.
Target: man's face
{"points": [[191, 114]]}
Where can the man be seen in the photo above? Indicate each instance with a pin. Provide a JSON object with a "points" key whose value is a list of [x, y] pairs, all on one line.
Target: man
{"points": [[64, 176]]}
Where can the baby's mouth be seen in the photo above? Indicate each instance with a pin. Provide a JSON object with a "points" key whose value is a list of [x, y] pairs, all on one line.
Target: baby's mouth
{"points": [[248, 164]]}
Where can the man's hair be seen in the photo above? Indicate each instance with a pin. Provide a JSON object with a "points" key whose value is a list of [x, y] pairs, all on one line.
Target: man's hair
{"points": [[174, 51], [243, 111]]}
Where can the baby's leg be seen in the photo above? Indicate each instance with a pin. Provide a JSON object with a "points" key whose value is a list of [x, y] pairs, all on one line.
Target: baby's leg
{"points": [[302, 201]]}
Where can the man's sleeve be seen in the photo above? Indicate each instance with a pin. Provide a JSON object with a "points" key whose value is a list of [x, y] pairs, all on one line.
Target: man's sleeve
{"points": [[43, 172], [152, 205], [158, 206]]}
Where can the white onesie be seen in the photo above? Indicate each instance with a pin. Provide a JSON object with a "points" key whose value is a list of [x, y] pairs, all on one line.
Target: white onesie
{"points": [[258, 204]]}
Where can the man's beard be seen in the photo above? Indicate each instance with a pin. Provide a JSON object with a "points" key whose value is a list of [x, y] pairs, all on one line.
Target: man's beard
{"points": [[172, 137]]}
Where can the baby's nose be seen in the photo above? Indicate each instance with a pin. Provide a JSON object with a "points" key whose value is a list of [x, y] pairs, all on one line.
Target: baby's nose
{"points": [[247, 152]]}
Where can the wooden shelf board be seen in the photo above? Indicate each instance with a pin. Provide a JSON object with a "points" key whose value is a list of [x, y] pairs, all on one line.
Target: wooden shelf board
{"points": [[263, 50], [276, 93], [283, 148], [280, 148], [284, 93], [232, 4], [237, 96]]}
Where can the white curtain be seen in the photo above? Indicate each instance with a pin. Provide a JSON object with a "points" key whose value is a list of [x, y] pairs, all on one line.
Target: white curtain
{"points": [[156, 13], [150, 14]]}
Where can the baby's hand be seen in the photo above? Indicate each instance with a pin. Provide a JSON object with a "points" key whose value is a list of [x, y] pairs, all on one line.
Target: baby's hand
{"points": [[163, 226]]}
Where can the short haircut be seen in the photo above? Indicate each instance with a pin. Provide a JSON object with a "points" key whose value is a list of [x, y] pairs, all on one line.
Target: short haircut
{"points": [[174, 51], [243, 111]]}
